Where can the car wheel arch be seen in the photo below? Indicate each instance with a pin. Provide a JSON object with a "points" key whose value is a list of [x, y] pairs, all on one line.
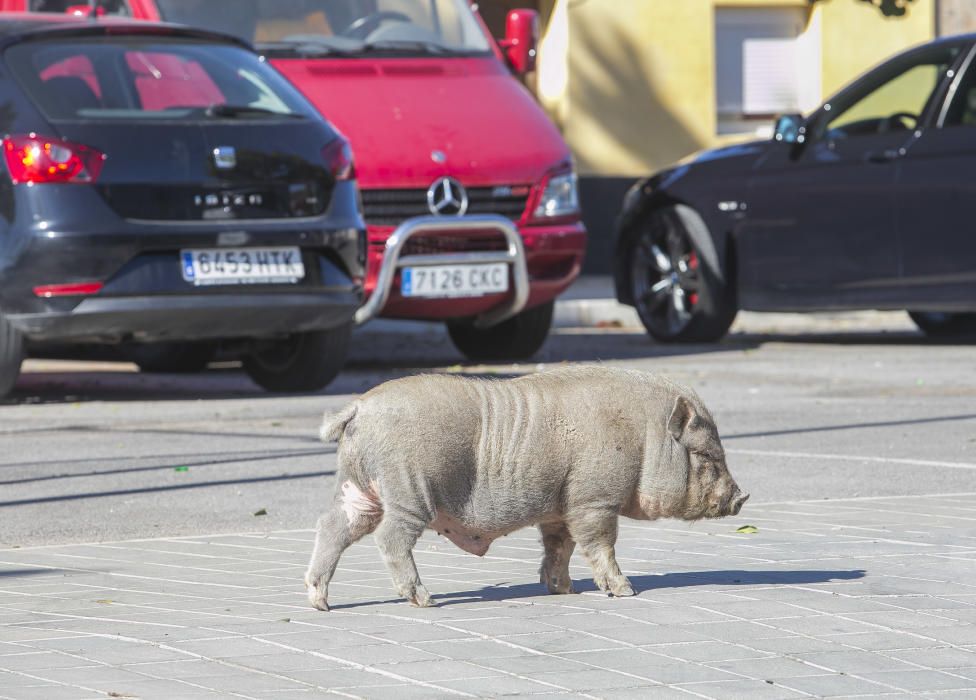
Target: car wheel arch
{"points": [[715, 250]]}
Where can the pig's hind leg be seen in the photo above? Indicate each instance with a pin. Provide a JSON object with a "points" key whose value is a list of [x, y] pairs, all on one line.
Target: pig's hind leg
{"points": [[354, 514], [555, 564], [396, 537], [596, 533]]}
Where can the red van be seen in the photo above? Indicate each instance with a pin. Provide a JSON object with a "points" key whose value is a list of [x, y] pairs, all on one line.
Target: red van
{"points": [[440, 128]]}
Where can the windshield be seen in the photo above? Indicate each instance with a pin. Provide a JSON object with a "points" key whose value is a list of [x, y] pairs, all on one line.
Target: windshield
{"points": [[338, 26], [148, 77]]}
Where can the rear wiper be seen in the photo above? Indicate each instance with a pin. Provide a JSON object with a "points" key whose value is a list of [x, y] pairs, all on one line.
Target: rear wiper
{"points": [[247, 110]]}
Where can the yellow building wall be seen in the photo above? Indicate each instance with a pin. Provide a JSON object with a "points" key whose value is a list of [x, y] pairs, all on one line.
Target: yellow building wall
{"points": [[856, 37], [632, 82]]}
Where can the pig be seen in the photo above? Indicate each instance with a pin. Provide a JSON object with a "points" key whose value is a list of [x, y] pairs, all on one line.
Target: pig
{"points": [[569, 450]]}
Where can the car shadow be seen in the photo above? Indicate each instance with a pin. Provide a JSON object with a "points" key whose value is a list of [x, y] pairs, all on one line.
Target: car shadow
{"points": [[377, 356], [851, 337], [641, 584]]}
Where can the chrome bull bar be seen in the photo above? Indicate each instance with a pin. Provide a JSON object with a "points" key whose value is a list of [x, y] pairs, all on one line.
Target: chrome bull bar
{"points": [[514, 256]]}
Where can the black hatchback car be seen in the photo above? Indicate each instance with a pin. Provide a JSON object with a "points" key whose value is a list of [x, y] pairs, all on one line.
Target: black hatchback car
{"points": [[164, 190], [865, 204]]}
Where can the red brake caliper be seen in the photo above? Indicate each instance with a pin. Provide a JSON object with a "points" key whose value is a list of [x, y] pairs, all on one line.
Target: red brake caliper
{"points": [[693, 265]]}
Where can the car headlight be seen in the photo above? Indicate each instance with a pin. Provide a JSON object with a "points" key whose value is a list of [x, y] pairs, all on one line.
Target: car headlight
{"points": [[560, 197]]}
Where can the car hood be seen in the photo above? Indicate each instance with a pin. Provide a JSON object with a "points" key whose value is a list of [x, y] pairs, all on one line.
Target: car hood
{"points": [[724, 154], [399, 112]]}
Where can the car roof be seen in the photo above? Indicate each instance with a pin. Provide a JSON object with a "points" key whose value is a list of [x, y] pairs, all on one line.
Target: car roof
{"points": [[24, 26], [955, 39]]}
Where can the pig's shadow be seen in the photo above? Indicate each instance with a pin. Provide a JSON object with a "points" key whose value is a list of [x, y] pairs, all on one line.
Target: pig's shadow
{"points": [[643, 584], [664, 581]]}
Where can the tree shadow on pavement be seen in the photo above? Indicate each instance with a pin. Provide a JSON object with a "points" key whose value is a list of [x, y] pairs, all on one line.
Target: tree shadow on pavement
{"points": [[21, 573]]}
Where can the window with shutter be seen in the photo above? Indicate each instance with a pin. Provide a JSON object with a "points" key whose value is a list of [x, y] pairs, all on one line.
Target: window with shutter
{"points": [[765, 64]]}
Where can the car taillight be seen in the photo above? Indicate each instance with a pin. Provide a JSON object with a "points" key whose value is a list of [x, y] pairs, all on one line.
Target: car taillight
{"points": [[33, 159], [338, 159]]}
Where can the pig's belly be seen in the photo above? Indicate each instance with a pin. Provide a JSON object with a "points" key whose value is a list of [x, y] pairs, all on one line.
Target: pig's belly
{"points": [[471, 539]]}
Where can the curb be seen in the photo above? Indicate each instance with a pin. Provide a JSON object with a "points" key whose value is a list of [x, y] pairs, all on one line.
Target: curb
{"points": [[594, 313]]}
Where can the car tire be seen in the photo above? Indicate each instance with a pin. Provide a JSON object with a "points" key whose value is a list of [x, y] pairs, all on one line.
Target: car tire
{"points": [[11, 356], [517, 338], [939, 324], [678, 299], [301, 362], [183, 358]]}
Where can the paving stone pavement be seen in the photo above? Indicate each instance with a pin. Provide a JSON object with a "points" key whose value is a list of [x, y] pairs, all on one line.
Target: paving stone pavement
{"points": [[863, 597]]}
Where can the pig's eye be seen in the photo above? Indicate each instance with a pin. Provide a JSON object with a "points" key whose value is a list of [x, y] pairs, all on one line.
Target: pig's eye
{"points": [[708, 468]]}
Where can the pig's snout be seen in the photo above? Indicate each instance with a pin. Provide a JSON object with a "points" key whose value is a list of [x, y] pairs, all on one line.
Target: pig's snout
{"points": [[737, 500]]}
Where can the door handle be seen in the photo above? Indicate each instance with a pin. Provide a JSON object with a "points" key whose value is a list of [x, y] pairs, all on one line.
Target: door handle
{"points": [[885, 156]]}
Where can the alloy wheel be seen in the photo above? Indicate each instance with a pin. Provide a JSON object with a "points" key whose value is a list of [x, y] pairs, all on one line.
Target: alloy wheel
{"points": [[666, 279]]}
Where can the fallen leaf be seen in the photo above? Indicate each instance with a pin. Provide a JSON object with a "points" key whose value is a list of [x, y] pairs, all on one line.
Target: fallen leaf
{"points": [[747, 529], [263, 511], [181, 469], [104, 601]]}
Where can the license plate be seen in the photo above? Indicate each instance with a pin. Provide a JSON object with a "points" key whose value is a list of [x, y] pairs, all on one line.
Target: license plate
{"points": [[242, 265], [454, 280]]}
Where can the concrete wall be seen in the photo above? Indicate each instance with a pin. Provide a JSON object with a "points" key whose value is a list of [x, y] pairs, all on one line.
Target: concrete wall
{"points": [[955, 17]]}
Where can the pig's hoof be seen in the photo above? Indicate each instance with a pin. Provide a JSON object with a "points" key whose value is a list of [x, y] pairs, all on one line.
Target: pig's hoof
{"points": [[421, 598], [317, 596], [558, 587], [318, 599], [622, 591]]}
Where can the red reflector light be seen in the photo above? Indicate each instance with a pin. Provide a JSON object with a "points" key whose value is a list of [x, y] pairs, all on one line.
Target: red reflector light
{"points": [[77, 289], [33, 159], [338, 159]]}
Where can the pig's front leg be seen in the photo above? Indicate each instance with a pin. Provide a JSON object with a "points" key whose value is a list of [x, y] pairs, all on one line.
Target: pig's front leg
{"points": [[396, 537], [555, 564], [596, 533]]}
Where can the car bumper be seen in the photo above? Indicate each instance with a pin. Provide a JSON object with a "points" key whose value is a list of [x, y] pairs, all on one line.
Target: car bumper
{"points": [[190, 317], [144, 296], [554, 256]]}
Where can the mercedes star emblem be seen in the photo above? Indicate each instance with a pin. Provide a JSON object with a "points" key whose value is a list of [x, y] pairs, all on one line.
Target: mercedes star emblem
{"points": [[447, 197]]}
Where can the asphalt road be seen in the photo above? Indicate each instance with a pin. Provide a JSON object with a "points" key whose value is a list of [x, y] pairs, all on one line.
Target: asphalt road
{"points": [[809, 408]]}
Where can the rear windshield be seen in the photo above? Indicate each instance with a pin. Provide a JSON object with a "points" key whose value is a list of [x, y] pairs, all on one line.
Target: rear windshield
{"points": [[109, 7], [344, 26], [151, 78]]}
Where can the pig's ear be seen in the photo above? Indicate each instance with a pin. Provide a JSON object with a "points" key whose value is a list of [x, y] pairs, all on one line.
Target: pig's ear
{"points": [[682, 416], [686, 426]]}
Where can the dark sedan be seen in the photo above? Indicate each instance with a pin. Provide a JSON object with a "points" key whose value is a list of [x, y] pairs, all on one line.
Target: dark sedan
{"points": [[166, 191], [865, 204]]}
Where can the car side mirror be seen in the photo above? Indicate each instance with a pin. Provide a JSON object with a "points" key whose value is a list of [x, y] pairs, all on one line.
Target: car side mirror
{"points": [[521, 36], [790, 128]]}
